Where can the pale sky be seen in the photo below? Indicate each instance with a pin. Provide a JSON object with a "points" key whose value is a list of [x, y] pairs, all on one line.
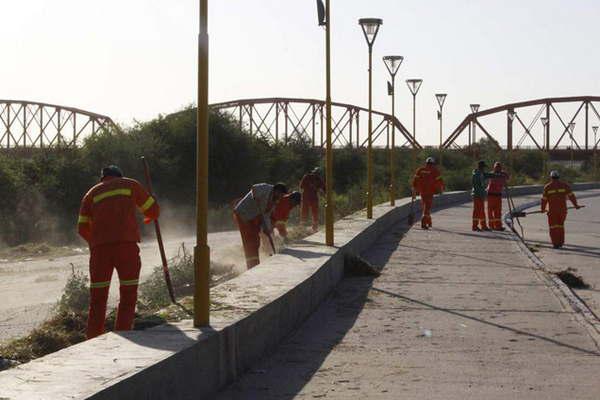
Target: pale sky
{"points": [[134, 59]]}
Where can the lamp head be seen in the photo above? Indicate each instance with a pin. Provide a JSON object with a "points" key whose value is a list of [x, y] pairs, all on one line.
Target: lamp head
{"points": [[393, 63], [370, 27], [414, 85], [441, 98]]}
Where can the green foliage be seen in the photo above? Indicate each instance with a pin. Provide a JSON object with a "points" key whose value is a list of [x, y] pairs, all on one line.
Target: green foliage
{"points": [[42, 188]]}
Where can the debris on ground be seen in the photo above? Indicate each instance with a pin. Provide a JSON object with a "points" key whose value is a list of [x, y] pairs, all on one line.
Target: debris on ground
{"points": [[357, 266], [572, 280]]}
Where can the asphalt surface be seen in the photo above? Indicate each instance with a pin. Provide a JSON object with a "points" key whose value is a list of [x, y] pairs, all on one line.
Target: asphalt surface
{"points": [[581, 251], [455, 315], [30, 289]]}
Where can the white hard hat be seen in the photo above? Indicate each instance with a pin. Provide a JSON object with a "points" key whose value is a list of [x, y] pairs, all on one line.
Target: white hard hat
{"points": [[554, 174], [430, 160]]}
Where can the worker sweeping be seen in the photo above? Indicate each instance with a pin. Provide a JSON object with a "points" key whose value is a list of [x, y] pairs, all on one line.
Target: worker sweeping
{"points": [[281, 213], [253, 215], [554, 200], [426, 182], [107, 221], [495, 188], [479, 195], [311, 185]]}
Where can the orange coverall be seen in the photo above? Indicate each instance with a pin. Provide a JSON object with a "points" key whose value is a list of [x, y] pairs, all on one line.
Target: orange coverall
{"points": [[555, 200], [107, 221], [494, 198], [248, 215], [310, 184], [426, 182], [281, 213]]}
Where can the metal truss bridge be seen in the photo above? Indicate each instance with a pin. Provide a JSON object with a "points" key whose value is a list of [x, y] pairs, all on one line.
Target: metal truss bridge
{"points": [[556, 125], [280, 120], [30, 124]]}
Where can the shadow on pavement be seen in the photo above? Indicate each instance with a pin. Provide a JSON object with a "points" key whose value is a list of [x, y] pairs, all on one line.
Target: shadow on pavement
{"points": [[508, 328], [297, 359]]}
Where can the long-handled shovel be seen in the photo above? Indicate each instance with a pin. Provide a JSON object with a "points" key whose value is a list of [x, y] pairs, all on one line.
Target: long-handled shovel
{"points": [[161, 247], [524, 214]]}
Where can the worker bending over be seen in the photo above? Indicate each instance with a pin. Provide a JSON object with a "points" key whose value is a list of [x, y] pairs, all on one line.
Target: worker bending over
{"points": [[107, 221], [253, 214], [281, 213], [555, 200], [426, 182], [496, 185], [311, 185]]}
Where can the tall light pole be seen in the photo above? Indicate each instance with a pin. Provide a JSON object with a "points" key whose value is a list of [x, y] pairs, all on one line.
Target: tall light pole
{"points": [[392, 64], [595, 129], [571, 130], [414, 85], [324, 20], [441, 98], [370, 28], [545, 124], [511, 117], [201, 250], [474, 110]]}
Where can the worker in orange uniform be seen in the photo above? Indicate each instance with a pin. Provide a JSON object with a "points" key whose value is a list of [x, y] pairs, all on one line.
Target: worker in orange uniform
{"points": [[253, 214], [555, 200], [107, 221], [426, 182], [495, 187], [281, 213], [311, 185], [479, 195]]}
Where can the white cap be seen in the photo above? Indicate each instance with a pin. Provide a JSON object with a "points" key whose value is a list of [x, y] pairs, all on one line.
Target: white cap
{"points": [[554, 174], [430, 160]]}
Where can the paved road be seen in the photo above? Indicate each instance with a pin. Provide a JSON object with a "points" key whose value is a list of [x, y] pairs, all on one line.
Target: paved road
{"points": [[455, 315], [30, 289], [582, 247]]}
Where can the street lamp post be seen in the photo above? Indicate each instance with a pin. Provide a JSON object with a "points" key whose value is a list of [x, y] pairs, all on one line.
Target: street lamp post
{"points": [[474, 110], [414, 85], [324, 20], [441, 98], [571, 130], [201, 250], [511, 117], [545, 124], [370, 28], [392, 64], [595, 129]]}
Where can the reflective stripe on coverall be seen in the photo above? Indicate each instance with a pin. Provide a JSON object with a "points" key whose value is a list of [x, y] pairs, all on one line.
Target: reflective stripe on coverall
{"points": [[108, 223]]}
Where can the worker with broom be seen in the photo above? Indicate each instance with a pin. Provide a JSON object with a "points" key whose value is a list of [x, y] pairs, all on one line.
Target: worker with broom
{"points": [[281, 213], [107, 221], [554, 200]]}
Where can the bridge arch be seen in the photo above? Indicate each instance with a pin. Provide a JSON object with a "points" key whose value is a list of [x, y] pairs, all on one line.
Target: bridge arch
{"points": [[279, 119], [526, 126], [34, 124]]}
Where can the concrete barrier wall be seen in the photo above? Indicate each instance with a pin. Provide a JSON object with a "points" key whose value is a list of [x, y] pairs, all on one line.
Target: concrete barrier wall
{"points": [[250, 315]]}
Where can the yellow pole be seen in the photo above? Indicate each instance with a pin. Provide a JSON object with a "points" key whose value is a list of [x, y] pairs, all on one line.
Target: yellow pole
{"points": [[392, 170], [329, 206], [441, 149], [370, 146], [202, 251], [414, 135]]}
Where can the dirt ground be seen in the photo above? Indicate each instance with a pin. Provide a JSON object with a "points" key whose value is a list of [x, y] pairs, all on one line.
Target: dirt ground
{"points": [[31, 285]]}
